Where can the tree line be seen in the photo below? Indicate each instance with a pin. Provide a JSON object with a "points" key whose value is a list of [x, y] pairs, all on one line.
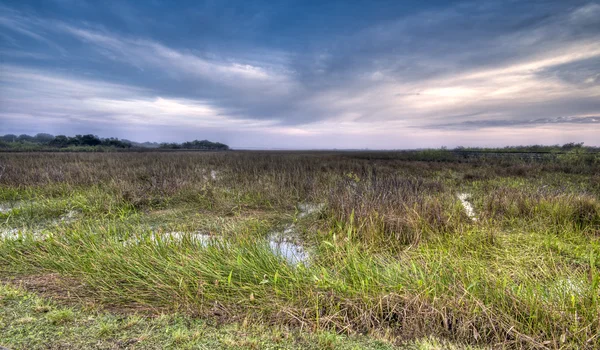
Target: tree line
{"points": [[203, 145], [63, 141], [91, 142]]}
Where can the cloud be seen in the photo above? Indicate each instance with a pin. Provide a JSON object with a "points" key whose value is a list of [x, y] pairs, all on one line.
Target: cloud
{"points": [[13, 21], [27, 26], [482, 66], [144, 54], [478, 124], [65, 99], [397, 71]]}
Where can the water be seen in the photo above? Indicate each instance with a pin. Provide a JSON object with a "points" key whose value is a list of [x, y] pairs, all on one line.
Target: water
{"points": [[306, 209], [285, 243], [11, 233], [293, 253], [6, 208], [197, 237], [570, 286], [282, 243], [69, 217], [16, 233], [36, 234], [177, 236], [464, 200]]}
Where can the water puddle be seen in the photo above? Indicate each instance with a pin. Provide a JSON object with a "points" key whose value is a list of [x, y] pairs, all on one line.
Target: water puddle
{"points": [[6, 208], [563, 288], [464, 200], [306, 209], [37, 234], [67, 218], [570, 286], [11, 233], [176, 236], [16, 233], [282, 244], [286, 243], [203, 239]]}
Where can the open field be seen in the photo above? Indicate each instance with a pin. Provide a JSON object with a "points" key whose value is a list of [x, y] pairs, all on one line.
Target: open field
{"points": [[325, 249]]}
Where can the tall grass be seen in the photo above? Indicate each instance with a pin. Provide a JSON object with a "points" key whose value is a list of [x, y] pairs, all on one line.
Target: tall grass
{"points": [[392, 252]]}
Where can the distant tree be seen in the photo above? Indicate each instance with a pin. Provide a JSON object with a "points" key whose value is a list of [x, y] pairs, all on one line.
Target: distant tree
{"points": [[173, 145], [25, 138], [9, 138], [60, 141], [114, 142], [87, 140], [572, 145], [204, 145], [43, 138], [149, 144]]}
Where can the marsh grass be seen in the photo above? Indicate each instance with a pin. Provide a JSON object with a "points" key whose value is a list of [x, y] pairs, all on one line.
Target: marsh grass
{"points": [[86, 329], [393, 250]]}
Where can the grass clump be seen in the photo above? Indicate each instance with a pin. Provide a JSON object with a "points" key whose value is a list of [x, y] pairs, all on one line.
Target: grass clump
{"points": [[58, 317]]}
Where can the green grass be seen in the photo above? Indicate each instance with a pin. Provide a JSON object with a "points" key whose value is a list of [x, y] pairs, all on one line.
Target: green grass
{"points": [[393, 254], [30, 322]]}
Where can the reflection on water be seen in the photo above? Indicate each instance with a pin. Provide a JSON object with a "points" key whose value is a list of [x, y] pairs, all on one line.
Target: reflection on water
{"points": [[283, 246]]}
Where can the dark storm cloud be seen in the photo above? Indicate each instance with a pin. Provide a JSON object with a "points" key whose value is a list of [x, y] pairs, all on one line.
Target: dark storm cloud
{"points": [[302, 69]]}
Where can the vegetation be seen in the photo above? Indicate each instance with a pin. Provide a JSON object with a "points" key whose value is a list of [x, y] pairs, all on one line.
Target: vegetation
{"points": [[47, 142], [203, 145], [30, 322], [535, 148], [41, 141], [392, 252]]}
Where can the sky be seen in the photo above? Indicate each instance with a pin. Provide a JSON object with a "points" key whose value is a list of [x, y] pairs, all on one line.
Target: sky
{"points": [[306, 74]]}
